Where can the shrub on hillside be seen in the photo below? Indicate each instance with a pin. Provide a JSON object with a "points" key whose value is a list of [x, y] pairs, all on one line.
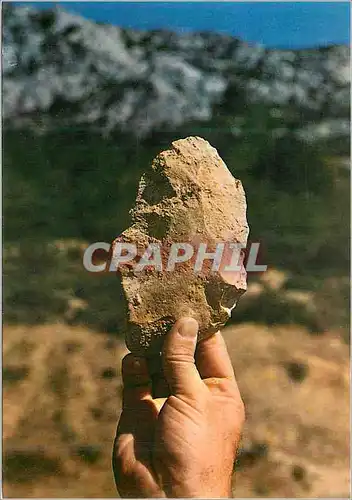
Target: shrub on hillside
{"points": [[292, 166]]}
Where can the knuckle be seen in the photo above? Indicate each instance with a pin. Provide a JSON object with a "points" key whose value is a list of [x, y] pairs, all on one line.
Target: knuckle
{"points": [[127, 362], [230, 391], [127, 358], [227, 387]]}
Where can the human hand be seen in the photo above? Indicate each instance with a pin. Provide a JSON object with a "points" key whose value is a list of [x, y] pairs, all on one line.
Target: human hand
{"points": [[183, 445]]}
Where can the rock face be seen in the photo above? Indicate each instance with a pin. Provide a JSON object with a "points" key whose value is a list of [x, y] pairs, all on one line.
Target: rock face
{"points": [[56, 63], [187, 203]]}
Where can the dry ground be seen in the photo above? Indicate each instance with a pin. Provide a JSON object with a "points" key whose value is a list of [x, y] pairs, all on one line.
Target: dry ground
{"points": [[62, 391]]}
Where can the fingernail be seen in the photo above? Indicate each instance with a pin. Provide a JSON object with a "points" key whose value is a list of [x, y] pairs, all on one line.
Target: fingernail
{"points": [[188, 327]]}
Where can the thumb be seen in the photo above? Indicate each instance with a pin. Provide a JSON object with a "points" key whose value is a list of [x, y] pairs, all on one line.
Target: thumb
{"points": [[178, 359]]}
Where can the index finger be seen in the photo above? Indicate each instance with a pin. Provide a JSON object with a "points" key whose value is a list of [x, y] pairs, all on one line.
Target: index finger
{"points": [[212, 358]]}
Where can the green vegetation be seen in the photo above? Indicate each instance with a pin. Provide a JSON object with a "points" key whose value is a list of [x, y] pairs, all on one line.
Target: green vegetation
{"points": [[72, 187]]}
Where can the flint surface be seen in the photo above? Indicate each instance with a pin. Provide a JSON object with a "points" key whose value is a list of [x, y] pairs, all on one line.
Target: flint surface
{"points": [[188, 195]]}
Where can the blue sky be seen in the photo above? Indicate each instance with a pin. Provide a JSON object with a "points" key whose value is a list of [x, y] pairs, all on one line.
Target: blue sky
{"points": [[284, 24]]}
